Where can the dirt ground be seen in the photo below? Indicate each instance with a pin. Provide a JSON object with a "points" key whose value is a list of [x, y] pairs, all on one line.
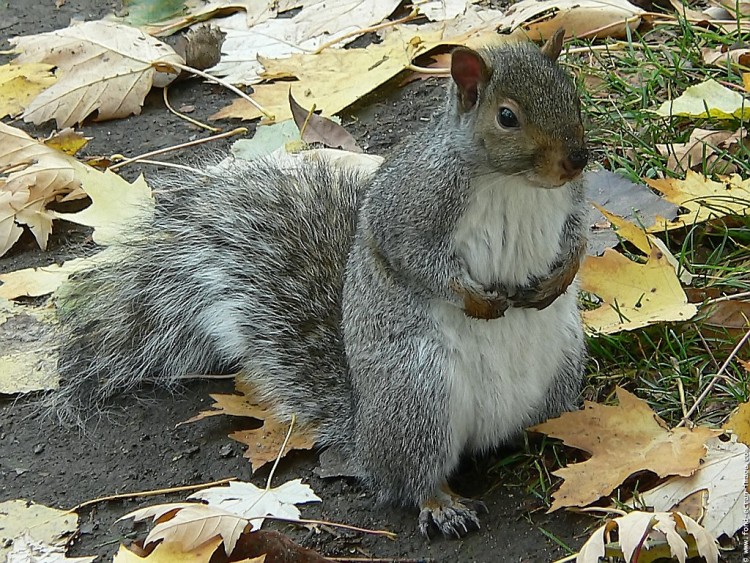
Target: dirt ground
{"points": [[138, 448]]}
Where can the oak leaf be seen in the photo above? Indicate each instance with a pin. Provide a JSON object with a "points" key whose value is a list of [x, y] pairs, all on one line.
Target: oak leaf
{"points": [[101, 66], [623, 440]]}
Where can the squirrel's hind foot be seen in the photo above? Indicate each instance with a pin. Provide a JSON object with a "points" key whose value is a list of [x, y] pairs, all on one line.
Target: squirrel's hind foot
{"points": [[452, 515]]}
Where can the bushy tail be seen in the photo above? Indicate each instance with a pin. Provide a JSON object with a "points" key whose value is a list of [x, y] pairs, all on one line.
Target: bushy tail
{"points": [[241, 267]]}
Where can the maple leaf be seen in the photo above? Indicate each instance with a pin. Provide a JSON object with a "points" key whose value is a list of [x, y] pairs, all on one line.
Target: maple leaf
{"points": [[722, 475], [39, 524], [254, 503], [190, 524], [622, 440], [264, 443], [703, 198], [19, 84], [101, 66], [634, 295], [652, 531]]}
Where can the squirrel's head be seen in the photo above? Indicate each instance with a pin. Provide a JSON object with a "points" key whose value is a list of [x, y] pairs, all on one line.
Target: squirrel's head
{"points": [[525, 110]]}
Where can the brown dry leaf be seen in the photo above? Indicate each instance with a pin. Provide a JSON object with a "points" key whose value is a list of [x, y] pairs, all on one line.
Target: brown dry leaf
{"points": [[580, 18], [701, 149], [264, 443], [622, 441], [19, 84], [662, 535], [735, 7], [634, 295], [317, 129], [722, 474], [102, 67], [732, 315], [703, 198], [739, 423], [67, 141], [726, 56]]}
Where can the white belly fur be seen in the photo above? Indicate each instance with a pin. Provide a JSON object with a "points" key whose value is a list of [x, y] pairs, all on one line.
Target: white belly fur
{"points": [[498, 371]]}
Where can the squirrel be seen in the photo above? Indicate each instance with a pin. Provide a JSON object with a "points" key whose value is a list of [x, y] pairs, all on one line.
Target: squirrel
{"points": [[413, 314]]}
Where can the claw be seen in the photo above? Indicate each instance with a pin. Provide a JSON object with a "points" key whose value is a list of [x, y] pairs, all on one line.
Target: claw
{"points": [[451, 515]]}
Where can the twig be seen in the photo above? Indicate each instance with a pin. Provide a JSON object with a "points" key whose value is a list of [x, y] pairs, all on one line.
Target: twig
{"points": [[603, 510], [566, 558], [140, 157], [224, 83], [706, 346], [357, 32], [425, 70], [714, 379], [182, 115], [732, 297], [386, 533], [151, 493]]}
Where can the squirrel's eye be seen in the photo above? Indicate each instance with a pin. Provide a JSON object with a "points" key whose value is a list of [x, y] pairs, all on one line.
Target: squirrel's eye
{"points": [[507, 118]]}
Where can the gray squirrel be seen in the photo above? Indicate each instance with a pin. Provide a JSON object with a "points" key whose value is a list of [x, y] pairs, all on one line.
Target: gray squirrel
{"points": [[413, 315]]}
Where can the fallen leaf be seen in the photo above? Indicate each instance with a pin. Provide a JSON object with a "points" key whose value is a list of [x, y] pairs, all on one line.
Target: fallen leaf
{"points": [[723, 475], [254, 504], [36, 176], [170, 552], [746, 81], [440, 10], [739, 9], [739, 423], [188, 525], [633, 295], [26, 549], [331, 80], [43, 280], [704, 199], [36, 522], [316, 129], [622, 440], [726, 56], [67, 141], [28, 354], [540, 19], [115, 204], [650, 532], [21, 83], [267, 139], [317, 23], [264, 443], [634, 203], [701, 151], [101, 66], [707, 99], [730, 315], [142, 12]]}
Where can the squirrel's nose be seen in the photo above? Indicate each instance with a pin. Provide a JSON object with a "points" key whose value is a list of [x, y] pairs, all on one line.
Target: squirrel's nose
{"points": [[575, 163]]}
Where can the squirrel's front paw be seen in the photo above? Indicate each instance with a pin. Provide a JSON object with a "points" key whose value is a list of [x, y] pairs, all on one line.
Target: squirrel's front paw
{"points": [[480, 303], [451, 515]]}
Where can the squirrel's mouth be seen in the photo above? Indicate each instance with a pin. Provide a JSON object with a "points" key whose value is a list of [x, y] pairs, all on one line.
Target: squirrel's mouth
{"points": [[550, 182], [558, 167]]}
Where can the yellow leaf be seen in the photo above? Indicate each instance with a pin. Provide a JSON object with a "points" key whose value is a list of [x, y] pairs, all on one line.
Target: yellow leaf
{"points": [[622, 441], [739, 423], [19, 84], [627, 230], [333, 79], [703, 198], [170, 552], [634, 295], [721, 102], [67, 141], [42, 523], [36, 282], [746, 81]]}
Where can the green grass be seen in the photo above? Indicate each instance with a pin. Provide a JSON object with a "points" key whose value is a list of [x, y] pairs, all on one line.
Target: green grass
{"points": [[668, 365]]}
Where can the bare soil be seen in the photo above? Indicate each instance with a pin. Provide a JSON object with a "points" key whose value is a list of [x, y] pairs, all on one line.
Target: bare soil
{"points": [[138, 447]]}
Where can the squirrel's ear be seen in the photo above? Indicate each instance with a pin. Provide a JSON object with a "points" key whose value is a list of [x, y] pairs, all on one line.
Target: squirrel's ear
{"points": [[554, 44], [468, 70]]}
